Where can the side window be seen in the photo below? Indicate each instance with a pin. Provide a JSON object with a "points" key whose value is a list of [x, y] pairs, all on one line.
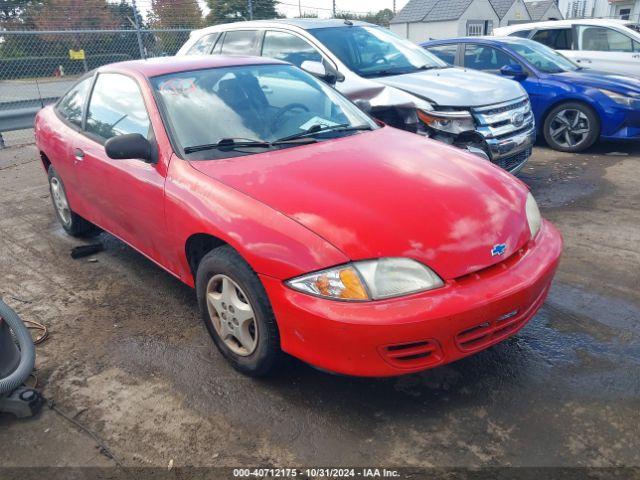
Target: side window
{"points": [[116, 108], [240, 42], [556, 38], [445, 52], [482, 57], [602, 39], [204, 45], [521, 33], [289, 48], [71, 105]]}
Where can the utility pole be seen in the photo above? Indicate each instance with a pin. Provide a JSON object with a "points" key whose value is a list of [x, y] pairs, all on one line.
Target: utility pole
{"points": [[334, 8], [394, 6], [136, 23], [250, 5]]}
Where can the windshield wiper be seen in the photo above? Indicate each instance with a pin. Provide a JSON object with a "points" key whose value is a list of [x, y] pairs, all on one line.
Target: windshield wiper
{"points": [[319, 128], [233, 143]]}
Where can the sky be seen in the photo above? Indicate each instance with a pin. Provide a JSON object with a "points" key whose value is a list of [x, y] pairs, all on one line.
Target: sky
{"points": [[323, 7]]}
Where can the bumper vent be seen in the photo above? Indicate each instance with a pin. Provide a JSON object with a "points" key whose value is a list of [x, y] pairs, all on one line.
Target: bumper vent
{"points": [[412, 355], [487, 333], [514, 161]]}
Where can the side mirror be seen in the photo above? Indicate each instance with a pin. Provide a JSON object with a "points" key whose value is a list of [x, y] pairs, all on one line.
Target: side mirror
{"points": [[318, 69], [130, 146], [514, 70], [364, 105]]}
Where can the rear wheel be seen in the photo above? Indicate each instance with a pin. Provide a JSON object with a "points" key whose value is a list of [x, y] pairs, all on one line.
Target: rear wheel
{"points": [[571, 127], [236, 311], [72, 223]]}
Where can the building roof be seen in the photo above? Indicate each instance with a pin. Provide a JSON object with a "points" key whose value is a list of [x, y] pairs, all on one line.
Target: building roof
{"points": [[414, 11], [431, 11], [502, 7], [538, 8]]}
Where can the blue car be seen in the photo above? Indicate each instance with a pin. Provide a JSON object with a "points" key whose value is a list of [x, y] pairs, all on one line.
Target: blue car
{"points": [[573, 106]]}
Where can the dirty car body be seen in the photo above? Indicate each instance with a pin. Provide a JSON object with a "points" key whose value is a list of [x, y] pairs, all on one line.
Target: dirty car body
{"points": [[377, 252], [406, 87]]}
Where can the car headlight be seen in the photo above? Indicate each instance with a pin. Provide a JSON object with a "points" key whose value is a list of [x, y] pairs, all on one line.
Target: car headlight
{"points": [[450, 122], [369, 280], [621, 99], [533, 215]]}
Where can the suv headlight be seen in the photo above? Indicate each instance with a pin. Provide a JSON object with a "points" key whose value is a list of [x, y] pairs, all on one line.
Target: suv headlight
{"points": [[621, 99], [369, 280], [533, 215], [450, 122]]}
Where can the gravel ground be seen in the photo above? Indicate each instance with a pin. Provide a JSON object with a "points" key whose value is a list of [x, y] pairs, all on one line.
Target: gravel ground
{"points": [[130, 360]]}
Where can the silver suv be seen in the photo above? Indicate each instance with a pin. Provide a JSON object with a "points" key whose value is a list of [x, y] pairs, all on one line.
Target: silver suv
{"points": [[396, 80]]}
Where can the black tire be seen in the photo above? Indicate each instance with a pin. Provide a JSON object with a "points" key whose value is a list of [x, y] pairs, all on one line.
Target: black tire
{"points": [[226, 261], [74, 224], [590, 117]]}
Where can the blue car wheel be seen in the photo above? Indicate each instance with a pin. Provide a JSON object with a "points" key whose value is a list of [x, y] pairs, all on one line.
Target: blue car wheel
{"points": [[571, 127]]}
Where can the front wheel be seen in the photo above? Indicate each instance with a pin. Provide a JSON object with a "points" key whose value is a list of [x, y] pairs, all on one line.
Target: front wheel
{"points": [[236, 311], [571, 127]]}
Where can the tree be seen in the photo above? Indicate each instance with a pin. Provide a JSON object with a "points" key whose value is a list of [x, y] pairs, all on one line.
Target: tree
{"points": [[382, 17], [16, 13], [125, 14], [223, 11], [74, 14], [175, 14]]}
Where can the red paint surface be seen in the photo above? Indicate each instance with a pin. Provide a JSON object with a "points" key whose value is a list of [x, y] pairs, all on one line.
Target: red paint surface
{"points": [[385, 193]]}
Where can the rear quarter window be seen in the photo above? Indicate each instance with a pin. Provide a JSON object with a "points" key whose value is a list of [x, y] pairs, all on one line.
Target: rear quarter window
{"points": [[71, 107], [240, 42]]}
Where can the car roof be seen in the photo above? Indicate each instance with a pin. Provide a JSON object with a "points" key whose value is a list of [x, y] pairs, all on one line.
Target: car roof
{"points": [[302, 23], [485, 39], [153, 67], [564, 23]]}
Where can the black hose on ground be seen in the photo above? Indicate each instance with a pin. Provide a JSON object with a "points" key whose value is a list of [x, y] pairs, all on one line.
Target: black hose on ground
{"points": [[22, 368]]}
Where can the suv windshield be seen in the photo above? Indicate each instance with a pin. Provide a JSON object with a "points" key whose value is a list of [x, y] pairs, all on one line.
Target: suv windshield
{"points": [[543, 58], [375, 52], [223, 112]]}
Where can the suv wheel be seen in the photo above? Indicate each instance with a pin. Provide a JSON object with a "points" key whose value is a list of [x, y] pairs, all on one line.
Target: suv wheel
{"points": [[571, 127], [236, 311]]}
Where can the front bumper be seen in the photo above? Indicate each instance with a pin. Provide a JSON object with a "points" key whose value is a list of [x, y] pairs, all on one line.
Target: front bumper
{"points": [[417, 332], [619, 123]]}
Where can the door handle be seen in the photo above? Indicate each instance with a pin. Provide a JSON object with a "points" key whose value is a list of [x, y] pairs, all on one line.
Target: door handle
{"points": [[79, 154], [266, 89], [637, 55], [583, 60]]}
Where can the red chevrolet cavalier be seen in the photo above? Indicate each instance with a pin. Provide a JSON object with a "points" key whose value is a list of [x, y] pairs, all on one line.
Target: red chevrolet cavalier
{"points": [[304, 225]]}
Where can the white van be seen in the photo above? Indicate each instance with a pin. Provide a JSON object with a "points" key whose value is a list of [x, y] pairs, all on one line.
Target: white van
{"points": [[598, 44]]}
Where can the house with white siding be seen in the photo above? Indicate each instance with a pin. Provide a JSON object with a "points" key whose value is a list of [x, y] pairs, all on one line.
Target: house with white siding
{"points": [[422, 20]]}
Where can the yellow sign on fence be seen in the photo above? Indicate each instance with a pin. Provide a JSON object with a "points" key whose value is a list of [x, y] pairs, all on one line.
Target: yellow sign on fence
{"points": [[76, 54]]}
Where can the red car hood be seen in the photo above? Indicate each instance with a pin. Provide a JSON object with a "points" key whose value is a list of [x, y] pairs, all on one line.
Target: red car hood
{"points": [[389, 193]]}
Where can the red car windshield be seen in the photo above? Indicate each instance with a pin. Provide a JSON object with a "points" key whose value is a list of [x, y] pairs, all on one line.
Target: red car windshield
{"points": [[262, 103]]}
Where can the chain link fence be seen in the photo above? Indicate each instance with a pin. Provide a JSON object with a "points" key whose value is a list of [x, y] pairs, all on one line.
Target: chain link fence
{"points": [[36, 67]]}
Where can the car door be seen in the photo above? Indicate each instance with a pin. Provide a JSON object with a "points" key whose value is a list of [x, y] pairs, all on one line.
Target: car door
{"points": [[446, 52], [491, 60], [558, 38], [126, 196], [606, 49]]}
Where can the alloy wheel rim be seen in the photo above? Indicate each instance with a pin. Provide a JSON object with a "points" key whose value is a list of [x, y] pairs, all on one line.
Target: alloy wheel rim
{"points": [[60, 201], [232, 315], [569, 128]]}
